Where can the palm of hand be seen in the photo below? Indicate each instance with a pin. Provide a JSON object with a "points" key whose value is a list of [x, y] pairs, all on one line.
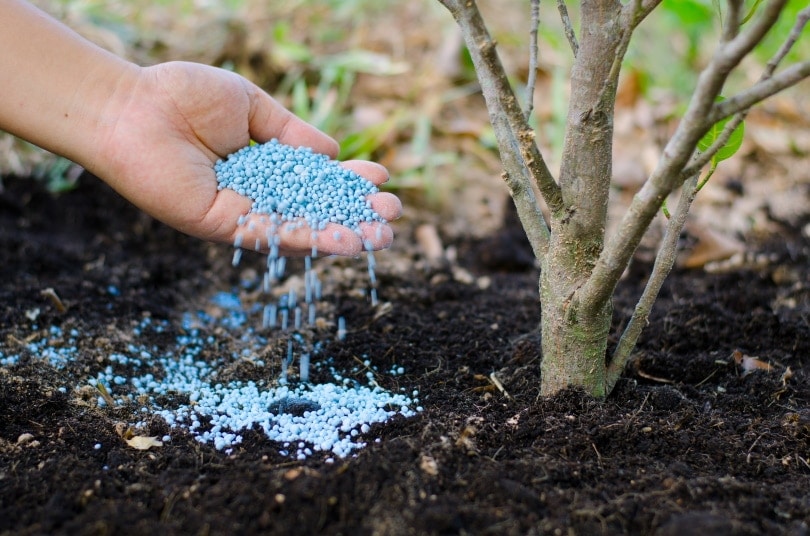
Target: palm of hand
{"points": [[182, 117]]}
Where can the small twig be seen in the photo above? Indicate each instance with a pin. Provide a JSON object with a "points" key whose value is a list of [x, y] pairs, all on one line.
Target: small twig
{"points": [[569, 28], [598, 455], [707, 378], [54, 298], [748, 457], [648, 376], [732, 21], [497, 383], [533, 59]]}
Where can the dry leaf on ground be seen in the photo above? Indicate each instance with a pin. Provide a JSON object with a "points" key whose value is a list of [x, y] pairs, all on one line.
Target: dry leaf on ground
{"points": [[144, 442]]}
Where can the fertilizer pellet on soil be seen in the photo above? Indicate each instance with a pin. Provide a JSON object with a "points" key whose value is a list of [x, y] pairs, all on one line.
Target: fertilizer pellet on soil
{"points": [[176, 383]]}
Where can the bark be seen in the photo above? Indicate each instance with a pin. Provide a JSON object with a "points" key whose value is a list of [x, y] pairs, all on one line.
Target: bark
{"points": [[575, 340]]}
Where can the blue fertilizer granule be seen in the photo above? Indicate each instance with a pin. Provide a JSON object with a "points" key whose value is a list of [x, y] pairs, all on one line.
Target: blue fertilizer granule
{"points": [[174, 382], [297, 184]]}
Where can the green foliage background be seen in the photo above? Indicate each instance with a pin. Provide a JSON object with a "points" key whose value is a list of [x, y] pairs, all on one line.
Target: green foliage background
{"points": [[311, 54]]}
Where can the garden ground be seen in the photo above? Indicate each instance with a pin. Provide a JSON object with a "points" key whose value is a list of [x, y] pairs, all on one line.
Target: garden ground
{"points": [[688, 442], [708, 431]]}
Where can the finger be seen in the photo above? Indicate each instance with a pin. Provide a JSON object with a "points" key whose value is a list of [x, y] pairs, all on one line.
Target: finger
{"points": [[299, 240], [376, 173], [268, 119], [220, 223], [296, 239], [376, 236], [334, 239], [386, 205], [263, 233], [339, 240]]}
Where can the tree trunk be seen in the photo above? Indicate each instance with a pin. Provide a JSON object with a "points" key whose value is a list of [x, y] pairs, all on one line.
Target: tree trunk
{"points": [[578, 278], [574, 345], [575, 332]]}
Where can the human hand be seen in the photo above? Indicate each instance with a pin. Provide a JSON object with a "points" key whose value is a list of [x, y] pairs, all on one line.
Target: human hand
{"points": [[178, 119]]}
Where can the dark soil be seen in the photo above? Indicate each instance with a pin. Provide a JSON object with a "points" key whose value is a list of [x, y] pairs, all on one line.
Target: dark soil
{"points": [[688, 443]]}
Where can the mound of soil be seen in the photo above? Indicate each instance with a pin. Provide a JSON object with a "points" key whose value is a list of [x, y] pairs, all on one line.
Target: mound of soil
{"points": [[708, 432]]}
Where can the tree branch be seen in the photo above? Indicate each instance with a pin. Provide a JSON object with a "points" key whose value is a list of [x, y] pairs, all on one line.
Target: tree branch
{"points": [[664, 261], [668, 174], [634, 13], [530, 83], [569, 28], [519, 152], [731, 24], [701, 160], [739, 47], [647, 7], [761, 91]]}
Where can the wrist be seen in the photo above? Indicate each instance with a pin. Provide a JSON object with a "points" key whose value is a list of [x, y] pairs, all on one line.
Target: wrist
{"points": [[98, 105]]}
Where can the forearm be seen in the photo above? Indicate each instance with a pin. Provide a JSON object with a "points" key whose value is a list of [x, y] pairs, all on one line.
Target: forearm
{"points": [[59, 91]]}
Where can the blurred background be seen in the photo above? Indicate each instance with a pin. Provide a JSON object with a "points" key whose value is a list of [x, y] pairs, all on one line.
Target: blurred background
{"points": [[392, 82]]}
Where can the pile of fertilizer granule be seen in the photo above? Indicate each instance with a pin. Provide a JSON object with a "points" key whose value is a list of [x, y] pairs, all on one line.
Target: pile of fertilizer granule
{"points": [[296, 184]]}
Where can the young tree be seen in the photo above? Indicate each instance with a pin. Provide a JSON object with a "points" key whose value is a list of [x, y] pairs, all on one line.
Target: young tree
{"points": [[580, 265]]}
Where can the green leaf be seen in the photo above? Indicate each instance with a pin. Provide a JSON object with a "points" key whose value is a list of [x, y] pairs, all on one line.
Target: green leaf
{"points": [[732, 145]]}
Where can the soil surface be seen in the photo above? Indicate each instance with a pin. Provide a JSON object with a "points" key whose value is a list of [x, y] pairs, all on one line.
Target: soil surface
{"points": [[695, 438]]}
